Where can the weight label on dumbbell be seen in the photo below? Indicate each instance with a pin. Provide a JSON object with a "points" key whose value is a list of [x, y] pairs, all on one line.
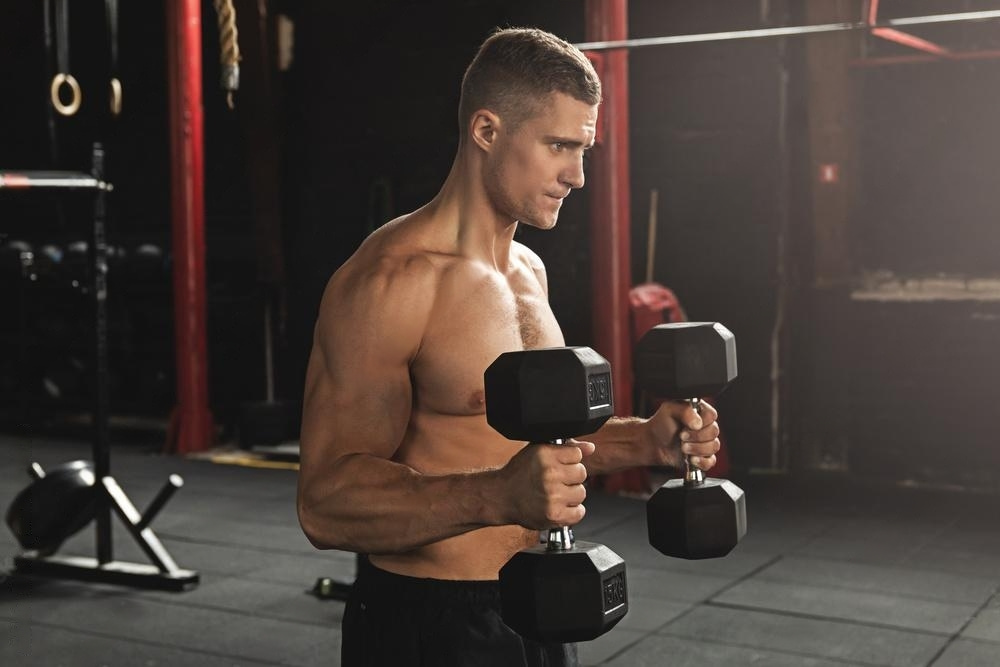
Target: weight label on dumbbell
{"points": [[599, 390], [614, 592]]}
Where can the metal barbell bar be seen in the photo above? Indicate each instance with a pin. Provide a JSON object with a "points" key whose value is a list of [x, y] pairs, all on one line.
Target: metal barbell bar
{"points": [[786, 31]]}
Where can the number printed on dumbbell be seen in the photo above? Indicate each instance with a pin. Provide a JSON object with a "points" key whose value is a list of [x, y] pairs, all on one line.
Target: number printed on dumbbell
{"points": [[599, 390], [614, 592]]}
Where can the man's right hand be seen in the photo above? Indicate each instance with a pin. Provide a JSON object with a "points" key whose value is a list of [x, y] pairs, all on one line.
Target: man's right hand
{"points": [[544, 484]]}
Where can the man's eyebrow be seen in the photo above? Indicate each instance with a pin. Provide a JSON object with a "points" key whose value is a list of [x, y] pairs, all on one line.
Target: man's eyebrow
{"points": [[573, 143]]}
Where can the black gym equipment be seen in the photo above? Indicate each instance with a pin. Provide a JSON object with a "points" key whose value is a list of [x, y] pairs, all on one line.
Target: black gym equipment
{"points": [[694, 517], [272, 424], [48, 262], [17, 260], [56, 506], [145, 264], [561, 590], [50, 509], [333, 588]]}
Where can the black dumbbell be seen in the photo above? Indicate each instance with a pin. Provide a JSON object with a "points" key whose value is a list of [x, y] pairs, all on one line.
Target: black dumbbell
{"points": [[76, 266], [17, 258], [562, 590], [695, 517], [48, 263]]}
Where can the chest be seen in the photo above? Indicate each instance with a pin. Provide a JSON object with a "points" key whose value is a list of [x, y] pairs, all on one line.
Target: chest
{"points": [[469, 330]]}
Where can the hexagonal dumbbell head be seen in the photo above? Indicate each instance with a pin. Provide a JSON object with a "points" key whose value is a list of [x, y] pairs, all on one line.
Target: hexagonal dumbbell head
{"points": [[705, 520], [694, 517], [572, 595], [686, 359], [548, 394]]}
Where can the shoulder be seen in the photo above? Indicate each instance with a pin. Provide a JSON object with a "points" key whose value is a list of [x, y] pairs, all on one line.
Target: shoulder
{"points": [[530, 260], [528, 256], [382, 293], [385, 266]]}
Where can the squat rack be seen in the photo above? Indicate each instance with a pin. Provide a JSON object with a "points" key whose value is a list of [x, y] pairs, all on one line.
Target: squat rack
{"points": [[163, 573]]}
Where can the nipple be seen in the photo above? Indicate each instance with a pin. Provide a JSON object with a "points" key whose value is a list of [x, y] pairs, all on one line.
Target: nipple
{"points": [[478, 399]]}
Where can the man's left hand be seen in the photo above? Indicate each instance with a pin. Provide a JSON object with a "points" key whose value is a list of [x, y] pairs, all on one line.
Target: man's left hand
{"points": [[677, 430]]}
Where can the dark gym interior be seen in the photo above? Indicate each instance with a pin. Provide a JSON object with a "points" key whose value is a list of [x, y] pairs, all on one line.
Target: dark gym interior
{"points": [[843, 181]]}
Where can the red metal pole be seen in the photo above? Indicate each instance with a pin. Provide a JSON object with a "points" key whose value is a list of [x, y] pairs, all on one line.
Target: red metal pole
{"points": [[610, 224], [191, 427], [610, 220]]}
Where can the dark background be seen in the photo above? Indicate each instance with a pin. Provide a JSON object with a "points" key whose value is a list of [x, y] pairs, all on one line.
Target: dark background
{"points": [[893, 389]]}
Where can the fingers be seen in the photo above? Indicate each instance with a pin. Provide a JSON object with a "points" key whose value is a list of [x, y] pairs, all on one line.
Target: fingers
{"points": [[707, 413], [700, 417], [567, 467], [586, 448], [701, 447], [705, 434], [564, 483], [704, 463], [700, 442], [573, 451], [545, 485], [699, 425], [566, 505], [568, 516]]}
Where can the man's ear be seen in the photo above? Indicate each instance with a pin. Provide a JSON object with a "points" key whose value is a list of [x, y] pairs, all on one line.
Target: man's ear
{"points": [[484, 126]]}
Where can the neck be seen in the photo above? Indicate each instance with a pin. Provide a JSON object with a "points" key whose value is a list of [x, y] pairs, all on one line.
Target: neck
{"points": [[480, 230]]}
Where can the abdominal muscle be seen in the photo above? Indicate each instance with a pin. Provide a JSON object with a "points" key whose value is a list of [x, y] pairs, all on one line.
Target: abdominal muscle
{"points": [[437, 444]]}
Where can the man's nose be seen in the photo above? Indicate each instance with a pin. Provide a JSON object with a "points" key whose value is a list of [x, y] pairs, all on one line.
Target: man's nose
{"points": [[573, 176]]}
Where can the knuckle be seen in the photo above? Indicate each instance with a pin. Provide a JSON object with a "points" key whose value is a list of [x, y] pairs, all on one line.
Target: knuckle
{"points": [[553, 516]]}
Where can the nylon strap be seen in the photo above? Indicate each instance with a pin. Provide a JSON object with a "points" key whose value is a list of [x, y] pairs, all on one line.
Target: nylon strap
{"points": [[63, 77], [111, 15]]}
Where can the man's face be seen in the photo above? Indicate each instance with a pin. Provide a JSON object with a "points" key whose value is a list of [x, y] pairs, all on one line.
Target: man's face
{"points": [[537, 164]]}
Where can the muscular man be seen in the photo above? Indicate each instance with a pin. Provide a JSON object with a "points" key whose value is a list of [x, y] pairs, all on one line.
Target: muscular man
{"points": [[397, 460]]}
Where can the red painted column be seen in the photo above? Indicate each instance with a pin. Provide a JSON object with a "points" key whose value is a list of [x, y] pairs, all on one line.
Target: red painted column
{"points": [[610, 220], [610, 207], [191, 422]]}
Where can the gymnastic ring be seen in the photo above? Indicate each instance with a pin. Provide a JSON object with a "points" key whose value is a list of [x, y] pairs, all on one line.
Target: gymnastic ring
{"points": [[116, 96], [57, 81]]}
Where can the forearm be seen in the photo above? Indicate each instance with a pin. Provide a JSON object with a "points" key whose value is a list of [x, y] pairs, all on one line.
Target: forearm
{"points": [[372, 505], [619, 445]]}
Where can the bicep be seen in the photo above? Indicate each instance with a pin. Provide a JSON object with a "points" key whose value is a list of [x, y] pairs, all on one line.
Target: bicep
{"points": [[355, 403], [358, 392]]}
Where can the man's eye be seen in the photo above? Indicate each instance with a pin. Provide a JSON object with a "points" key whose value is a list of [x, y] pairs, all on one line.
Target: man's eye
{"points": [[558, 146]]}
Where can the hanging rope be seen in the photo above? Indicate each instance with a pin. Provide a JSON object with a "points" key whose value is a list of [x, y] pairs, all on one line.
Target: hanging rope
{"points": [[229, 49]]}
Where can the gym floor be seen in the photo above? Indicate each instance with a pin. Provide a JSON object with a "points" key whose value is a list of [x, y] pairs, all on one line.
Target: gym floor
{"points": [[831, 572]]}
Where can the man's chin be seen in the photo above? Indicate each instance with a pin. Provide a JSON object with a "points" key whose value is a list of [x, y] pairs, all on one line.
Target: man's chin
{"points": [[541, 223]]}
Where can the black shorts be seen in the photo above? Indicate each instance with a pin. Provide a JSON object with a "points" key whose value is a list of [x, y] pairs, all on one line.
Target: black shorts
{"points": [[403, 621]]}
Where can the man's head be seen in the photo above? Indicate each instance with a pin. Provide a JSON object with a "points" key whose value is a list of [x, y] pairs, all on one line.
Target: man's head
{"points": [[529, 113], [516, 70]]}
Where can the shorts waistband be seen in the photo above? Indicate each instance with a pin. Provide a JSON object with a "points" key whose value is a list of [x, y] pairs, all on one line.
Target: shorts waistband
{"points": [[374, 580]]}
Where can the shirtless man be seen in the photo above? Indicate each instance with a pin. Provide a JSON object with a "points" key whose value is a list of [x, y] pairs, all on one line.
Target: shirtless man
{"points": [[397, 460]]}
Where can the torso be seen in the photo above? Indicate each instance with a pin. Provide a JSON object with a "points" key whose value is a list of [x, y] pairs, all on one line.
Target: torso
{"points": [[478, 314]]}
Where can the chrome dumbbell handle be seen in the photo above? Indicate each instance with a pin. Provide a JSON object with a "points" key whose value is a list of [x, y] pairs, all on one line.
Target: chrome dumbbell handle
{"points": [[692, 475]]}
